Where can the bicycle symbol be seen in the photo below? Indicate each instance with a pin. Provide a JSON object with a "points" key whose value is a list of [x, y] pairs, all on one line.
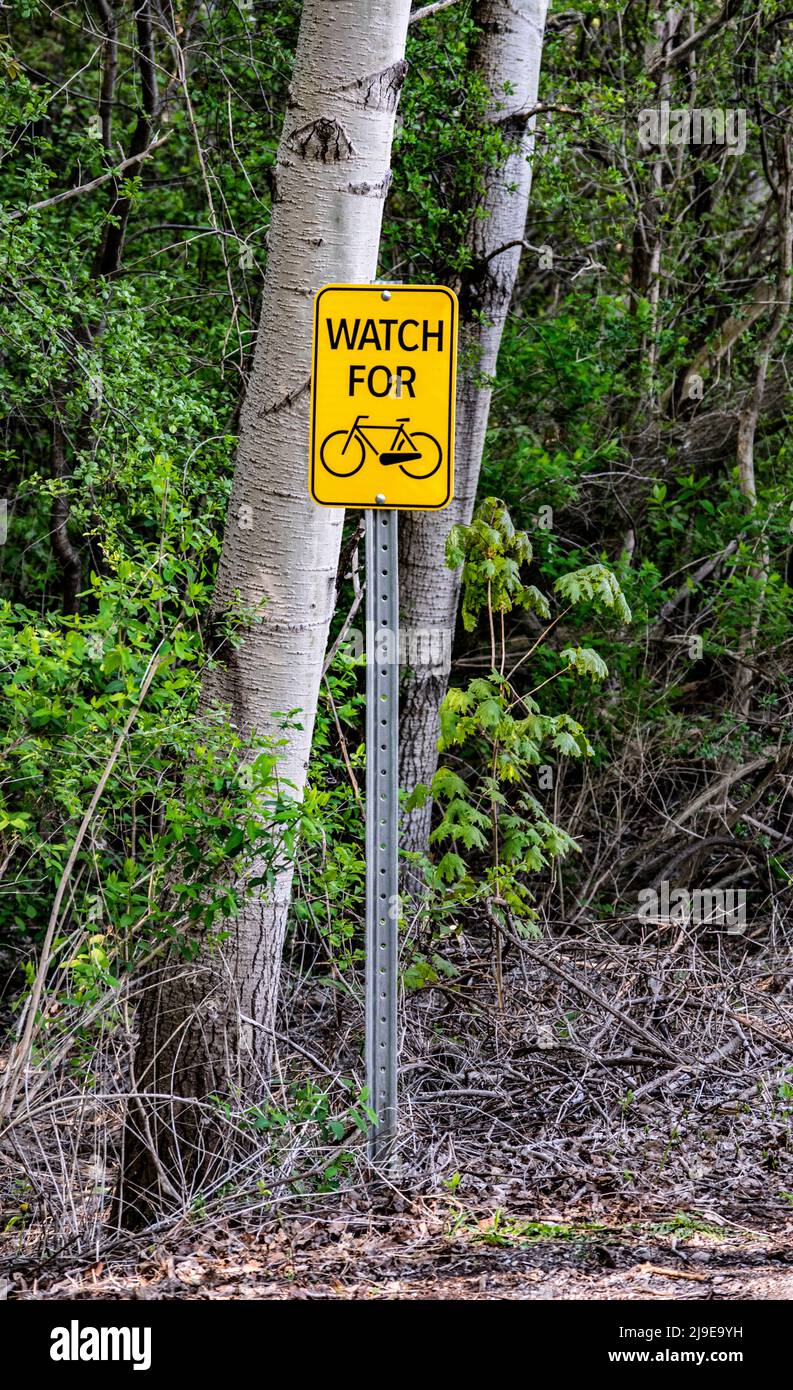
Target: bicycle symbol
{"points": [[343, 452]]}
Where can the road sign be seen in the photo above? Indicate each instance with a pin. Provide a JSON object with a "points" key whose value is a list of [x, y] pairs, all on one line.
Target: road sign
{"points": [[382, 438], [382, 396]]}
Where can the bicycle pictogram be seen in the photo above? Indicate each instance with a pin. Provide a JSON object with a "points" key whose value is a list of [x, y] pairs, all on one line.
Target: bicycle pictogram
{"points": [[343, 452]]}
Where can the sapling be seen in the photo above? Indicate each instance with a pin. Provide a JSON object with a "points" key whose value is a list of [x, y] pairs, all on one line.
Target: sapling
{"points": [[504, 733]]}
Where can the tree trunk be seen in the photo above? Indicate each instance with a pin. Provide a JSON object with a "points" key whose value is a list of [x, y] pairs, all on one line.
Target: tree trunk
{"points": [[782, 194], [208, 1029], [507, 56]]}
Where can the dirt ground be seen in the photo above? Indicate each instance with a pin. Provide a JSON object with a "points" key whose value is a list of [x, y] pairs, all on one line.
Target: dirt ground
{"points": [[429, 1251], [621, 1131]]}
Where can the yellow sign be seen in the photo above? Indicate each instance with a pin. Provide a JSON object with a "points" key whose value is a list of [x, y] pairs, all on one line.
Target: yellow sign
{"points": [[382, 396]]}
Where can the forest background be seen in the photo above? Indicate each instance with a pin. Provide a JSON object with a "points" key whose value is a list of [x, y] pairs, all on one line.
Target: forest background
{"points": [[573, 1038]]}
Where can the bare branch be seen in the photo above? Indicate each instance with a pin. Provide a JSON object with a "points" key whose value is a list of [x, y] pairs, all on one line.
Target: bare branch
{"points": [[94, 183], [427, 10], [667, 60]]}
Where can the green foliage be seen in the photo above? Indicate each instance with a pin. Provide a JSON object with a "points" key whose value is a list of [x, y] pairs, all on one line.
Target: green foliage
{"points": [[328, 905], [588, 447], [141, 374], [443, 147], [594, 584], [492, 552], [505, 1231], [176, 816], [315, 1121], [500, 728]]}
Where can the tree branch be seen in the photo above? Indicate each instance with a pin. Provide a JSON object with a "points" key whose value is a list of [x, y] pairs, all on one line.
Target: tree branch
{"points": [[94, 183], [427, 10], [668, 60]]}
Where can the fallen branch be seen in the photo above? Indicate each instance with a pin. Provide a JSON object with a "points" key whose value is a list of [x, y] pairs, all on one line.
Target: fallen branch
{"points": [[762, 1031], [542, 959]]}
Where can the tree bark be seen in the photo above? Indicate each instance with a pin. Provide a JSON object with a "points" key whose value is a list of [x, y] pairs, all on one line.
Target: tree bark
{"points": [[507, 56], [782, 193], [208, 1029]]}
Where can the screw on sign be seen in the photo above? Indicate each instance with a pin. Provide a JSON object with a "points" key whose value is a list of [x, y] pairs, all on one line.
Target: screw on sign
{"points": [[382, 438], [382, 396]]}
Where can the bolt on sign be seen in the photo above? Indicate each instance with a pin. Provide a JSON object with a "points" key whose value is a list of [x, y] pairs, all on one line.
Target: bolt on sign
{"points": [[382, 396]]}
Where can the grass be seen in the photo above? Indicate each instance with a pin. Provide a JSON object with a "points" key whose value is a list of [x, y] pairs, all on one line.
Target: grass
{"points": [[503, 1230]]}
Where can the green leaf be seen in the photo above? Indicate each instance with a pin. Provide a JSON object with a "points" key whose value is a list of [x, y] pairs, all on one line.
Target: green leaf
{"points": [[585, 662], [451, 868]]}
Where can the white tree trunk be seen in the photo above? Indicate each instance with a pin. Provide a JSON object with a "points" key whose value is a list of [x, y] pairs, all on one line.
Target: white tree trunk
{"points": [[331, 180], [280, 549], [507, 56]]}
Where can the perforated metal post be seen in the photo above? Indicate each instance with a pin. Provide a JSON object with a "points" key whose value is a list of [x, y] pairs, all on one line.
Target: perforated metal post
{"points": [[382, 811]]}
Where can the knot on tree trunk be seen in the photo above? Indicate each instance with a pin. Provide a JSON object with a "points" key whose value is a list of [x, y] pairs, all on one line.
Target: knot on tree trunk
{"points": [[380, 90], [323, 139]]}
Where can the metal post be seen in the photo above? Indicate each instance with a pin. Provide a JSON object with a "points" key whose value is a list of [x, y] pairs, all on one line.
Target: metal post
{"points": [[382, 810]]}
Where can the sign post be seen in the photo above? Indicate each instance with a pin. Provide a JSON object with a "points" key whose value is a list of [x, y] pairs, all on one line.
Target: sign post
{"points": [[382, 438], [382, 829]]}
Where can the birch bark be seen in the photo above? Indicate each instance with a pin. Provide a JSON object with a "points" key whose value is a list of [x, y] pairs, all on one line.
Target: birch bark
{"points": [[208, 1029], [507, 56]]}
